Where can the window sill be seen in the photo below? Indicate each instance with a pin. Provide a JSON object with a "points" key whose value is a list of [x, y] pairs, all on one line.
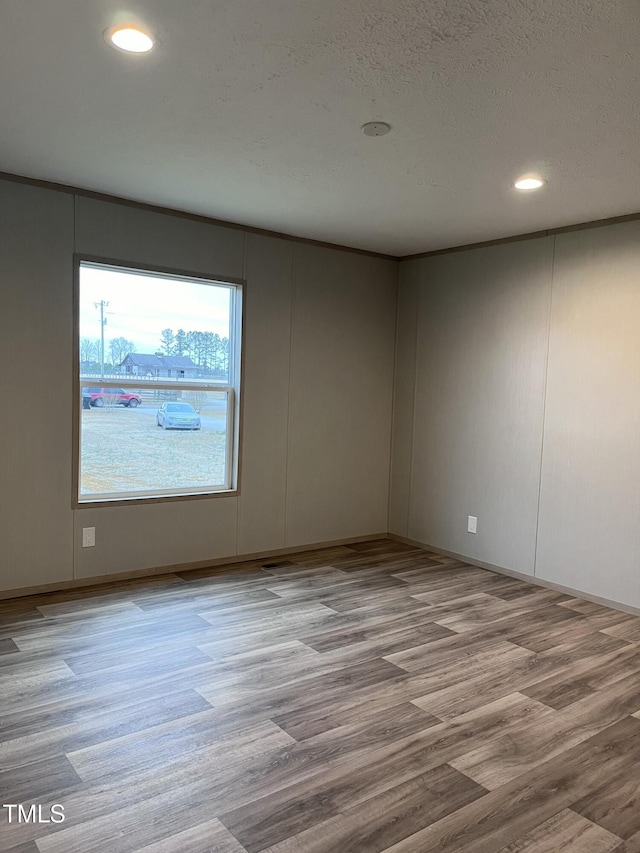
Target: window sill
{"points": [[146, 499]]}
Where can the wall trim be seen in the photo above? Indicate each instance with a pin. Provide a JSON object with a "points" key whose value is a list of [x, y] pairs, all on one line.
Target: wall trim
{"points": [[220, 563], [184, 214], [532, 579], [531, 235], [281, 235]]}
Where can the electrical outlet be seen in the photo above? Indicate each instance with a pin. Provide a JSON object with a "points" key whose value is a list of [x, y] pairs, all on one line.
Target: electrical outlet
{"points": [[472, 524], [88, 537]]}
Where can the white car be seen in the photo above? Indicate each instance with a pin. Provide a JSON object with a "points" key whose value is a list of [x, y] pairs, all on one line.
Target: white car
{"points": [[178, 416]]}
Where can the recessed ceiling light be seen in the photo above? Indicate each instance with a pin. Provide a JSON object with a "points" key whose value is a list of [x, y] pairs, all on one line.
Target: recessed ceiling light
{"points": [[131, 39], [376, 128], [529, 183]]}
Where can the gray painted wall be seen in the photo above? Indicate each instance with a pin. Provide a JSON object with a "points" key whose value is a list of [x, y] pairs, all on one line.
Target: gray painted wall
{"points": [[482, 320], [516, 398], [525, 372], [317, 385], [404, 397], [341, 395], [589, 533], [36, 327]]}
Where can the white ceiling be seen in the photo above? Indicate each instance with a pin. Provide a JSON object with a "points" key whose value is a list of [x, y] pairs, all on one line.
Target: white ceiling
{"points": [[250, 111]]}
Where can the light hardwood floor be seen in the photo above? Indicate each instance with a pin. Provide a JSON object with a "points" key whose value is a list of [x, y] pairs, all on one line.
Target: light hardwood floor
{"points": [[353, 700]]}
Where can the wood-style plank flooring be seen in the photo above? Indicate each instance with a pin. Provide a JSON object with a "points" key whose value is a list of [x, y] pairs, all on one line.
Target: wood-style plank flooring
{"points": [[352, 700]]}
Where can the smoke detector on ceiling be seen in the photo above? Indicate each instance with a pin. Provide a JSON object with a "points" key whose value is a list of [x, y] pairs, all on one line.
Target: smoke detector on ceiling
{"points": [[376, 128]]}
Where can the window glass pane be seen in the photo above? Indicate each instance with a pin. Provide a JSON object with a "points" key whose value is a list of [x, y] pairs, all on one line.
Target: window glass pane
{"points": [[156, 327], [153, 441]]}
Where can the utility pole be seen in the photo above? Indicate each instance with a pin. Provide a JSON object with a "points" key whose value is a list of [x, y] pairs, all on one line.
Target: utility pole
{"points": [[103, 322]]}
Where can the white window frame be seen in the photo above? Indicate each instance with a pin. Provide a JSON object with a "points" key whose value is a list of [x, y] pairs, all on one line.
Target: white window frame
{"points": [[232, 389]]}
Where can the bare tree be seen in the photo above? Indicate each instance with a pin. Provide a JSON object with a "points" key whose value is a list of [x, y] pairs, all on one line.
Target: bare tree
{"points": [[119, 348], [89, 350]]}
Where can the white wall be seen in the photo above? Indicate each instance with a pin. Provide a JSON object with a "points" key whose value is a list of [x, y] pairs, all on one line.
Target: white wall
{"points": [[317, 386], [525, 408]]}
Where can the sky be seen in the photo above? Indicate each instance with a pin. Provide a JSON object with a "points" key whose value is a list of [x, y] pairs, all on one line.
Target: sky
{"points": [[140, 306]]}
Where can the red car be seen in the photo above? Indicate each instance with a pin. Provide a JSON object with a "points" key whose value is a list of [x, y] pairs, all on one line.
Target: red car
{"points": [[114, 396]]}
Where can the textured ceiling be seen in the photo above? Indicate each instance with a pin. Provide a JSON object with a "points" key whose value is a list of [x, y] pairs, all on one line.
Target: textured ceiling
{"points": [[250, 111]]}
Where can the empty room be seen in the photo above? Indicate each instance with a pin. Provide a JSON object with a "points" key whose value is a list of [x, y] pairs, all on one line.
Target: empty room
{"points": [[320, 445]]}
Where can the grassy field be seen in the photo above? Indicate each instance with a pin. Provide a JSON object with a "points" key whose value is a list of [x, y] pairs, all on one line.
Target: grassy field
{"points": [[123, 450]]}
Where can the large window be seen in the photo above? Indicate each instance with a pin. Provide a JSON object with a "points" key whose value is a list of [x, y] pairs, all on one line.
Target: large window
{"points": [[159, 382]]}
